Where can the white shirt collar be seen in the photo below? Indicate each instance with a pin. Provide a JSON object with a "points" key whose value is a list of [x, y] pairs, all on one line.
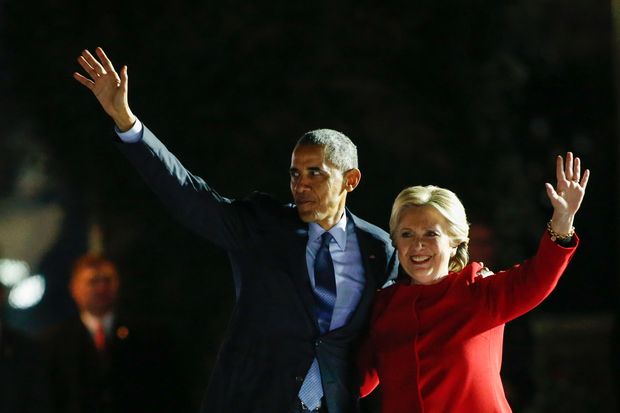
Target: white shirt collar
{"points": [[338, 231], [91, 321]]}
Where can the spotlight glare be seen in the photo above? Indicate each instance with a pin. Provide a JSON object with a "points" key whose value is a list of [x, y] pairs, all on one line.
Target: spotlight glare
{"points": [[12, 272], [27, 293]]}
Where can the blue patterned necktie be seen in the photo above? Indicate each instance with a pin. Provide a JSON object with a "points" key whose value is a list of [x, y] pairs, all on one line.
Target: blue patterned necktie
{"points": [[311, 390], [324, 284]]}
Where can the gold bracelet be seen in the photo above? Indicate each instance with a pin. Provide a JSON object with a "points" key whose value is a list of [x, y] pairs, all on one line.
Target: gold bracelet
{"points": [[559, 237]]}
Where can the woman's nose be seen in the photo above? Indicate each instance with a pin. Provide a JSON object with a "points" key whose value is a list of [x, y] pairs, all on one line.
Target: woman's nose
{"points": [[417, 242]]}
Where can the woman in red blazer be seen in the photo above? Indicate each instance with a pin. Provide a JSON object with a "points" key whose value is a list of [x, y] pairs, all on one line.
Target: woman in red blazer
{"points": [[435, 340]]}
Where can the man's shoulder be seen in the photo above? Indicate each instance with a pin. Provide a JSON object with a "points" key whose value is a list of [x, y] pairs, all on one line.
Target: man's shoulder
{"points": [[264, 199], [372, 230], [64, 330], [21, 346], [267, 204], [15, 337]]}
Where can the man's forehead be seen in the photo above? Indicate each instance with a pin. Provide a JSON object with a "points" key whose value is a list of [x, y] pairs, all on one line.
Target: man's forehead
{"points": [[308, 156], [96, 272]]}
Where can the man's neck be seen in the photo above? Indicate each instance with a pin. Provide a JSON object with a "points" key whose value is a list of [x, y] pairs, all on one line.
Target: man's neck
{"points": [[91, 320], [329, 222]]}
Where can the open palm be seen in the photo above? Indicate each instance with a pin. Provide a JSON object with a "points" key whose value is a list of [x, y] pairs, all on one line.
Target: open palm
{"points": [[570, 189], [107, 85]]}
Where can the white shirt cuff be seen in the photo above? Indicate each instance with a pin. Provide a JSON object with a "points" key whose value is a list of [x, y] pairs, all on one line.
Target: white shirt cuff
{"points": [[134, 134]]}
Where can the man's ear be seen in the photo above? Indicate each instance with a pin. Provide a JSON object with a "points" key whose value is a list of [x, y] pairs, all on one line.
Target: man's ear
{"points": [[352, 178]]}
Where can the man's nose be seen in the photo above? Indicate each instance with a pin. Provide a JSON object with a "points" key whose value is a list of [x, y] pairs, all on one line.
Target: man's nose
{"points": [[302, 184]]}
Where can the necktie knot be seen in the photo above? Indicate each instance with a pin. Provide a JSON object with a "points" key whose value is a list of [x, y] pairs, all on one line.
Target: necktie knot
{"points": [[326, 238]]}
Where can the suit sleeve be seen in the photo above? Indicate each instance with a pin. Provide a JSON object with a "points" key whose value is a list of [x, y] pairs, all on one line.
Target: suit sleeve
{"points": [[513, 292], [225, 222]]}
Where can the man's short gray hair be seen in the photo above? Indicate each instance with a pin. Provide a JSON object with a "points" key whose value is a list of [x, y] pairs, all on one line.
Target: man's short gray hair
{"points": [[339, 149]]}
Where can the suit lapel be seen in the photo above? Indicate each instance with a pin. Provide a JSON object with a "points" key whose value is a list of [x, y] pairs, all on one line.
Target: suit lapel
{"points": [[373, 256], [373, 264], [373, 261], [372, 269], [300, 276]]}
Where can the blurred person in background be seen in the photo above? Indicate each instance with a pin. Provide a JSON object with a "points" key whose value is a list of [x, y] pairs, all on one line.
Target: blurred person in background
{"points": [[101, 361]]}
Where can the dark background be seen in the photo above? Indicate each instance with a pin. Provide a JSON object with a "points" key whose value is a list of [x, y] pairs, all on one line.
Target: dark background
{"points": [[475, 96]]}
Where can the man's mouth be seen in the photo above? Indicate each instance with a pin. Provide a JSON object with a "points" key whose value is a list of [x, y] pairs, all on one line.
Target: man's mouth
{"points": [[303, 201]]}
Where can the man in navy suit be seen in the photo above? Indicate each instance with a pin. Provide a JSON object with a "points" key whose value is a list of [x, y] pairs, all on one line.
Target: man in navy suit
{"points": [[305, 273]]}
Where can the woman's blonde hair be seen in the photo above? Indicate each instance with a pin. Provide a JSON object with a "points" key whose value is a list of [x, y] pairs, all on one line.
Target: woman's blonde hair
{"points": [[448, 205]]}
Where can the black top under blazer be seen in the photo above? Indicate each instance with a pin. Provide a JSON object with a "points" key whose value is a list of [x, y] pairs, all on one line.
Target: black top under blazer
{"points": [[273, 335]]}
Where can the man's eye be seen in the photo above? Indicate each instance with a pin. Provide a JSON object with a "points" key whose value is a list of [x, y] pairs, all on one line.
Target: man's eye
{"points": [[405, 234], [315, 173], [432, 234], [294, 174]]}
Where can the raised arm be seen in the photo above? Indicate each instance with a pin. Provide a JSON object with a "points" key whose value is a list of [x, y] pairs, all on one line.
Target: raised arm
{"points": [[568, 193], [511, 293], [228, 223], [109, 88]]}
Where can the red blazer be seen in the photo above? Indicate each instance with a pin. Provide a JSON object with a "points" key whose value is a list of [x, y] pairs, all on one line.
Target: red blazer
{"points": [[438, 348]]}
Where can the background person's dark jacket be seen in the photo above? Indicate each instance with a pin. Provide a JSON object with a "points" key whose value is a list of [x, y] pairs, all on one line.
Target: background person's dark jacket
{"points": [[135, 374]]}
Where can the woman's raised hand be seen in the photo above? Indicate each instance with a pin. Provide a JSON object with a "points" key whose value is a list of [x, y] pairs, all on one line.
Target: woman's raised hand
{"points": [[568, 193]]}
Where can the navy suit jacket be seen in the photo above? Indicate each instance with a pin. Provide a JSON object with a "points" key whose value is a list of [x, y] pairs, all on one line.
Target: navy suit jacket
{"points": [[273, 335]]}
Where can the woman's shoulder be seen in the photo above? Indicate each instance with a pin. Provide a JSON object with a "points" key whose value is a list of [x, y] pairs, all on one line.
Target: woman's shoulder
{"points": [[473, 272]]}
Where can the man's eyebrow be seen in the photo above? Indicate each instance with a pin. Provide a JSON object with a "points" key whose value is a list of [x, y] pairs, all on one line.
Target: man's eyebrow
{"points": [[310, 168]]}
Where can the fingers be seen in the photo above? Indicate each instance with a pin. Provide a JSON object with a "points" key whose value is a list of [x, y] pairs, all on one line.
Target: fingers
{"points": [[551, 192], [555, 198], [585, 178], [96, 70], [124, 79], [577, 169], [568, 170], [559, 169], [107, 64], [84, 81], [94, 64], [88, 68], [570, 190]]}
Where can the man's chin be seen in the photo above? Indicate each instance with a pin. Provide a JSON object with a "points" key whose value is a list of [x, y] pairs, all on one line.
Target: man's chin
{"points": [[307, 216]]}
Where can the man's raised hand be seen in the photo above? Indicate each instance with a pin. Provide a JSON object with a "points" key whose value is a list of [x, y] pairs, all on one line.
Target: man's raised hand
{"points": [[109, 88]]}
